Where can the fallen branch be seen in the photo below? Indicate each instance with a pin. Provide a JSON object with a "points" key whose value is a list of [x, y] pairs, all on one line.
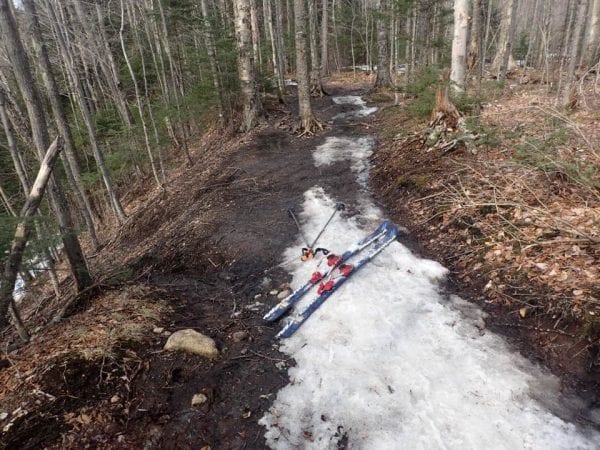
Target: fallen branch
{"points": [[22, 233]]}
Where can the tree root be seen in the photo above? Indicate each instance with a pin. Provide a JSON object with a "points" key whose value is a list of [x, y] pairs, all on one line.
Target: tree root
{"points": [[308, 127]]}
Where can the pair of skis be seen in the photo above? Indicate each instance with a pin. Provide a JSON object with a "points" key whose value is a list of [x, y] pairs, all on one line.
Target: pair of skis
{"points": [[378, 240]]}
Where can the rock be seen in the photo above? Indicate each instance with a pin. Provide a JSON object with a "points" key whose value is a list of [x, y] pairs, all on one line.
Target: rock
{"points": [[193, 342], [274, 292], [3, 415], [199, 399], [283, 294], [115, 399], [158, 330], [523, 312], [239, 336], [167, 333], [542, 267]]}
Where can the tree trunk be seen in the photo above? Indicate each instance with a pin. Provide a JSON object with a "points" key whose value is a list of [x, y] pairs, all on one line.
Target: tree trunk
{"points": [[316, 89], [255, 34], [383, 79], [507, 29], [138, 99], [569, 99], [252, 107], [209, 43], [475, 38], [22, 71], [87, 118], [12, 146], [277, 62], [325, 40], [592, 41], [307, 122], [72, 165], [23, 231], [458, 73]]}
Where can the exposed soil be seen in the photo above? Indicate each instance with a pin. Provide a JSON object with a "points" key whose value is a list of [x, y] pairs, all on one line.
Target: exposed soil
{"points": [[536, 281], [201, 254]]}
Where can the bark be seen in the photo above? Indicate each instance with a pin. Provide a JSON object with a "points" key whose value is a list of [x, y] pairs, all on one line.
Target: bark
{"points": [[22, 71], [255, 34], [209, 43], [593, 41], [277, 62], [383, 79], [72, 165], [316, 88], [475, 37], [458, 73], [505, 42], [23, 232], [325, 40], [569, 99], [307, 122], [252, 107], [12, 146]]}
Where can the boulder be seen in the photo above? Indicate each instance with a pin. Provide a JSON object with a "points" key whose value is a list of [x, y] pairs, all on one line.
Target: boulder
{"points": [[193, 342], [199, 399]]}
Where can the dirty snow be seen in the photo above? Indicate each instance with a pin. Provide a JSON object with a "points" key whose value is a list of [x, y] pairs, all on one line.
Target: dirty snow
{"points": [[362, 111], [356, 150], [389, 362]]}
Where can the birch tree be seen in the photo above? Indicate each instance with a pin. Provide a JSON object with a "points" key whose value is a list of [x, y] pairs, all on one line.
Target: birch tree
{"points": [[252, 106], [505, 41], [383, 79], [458, 73]]}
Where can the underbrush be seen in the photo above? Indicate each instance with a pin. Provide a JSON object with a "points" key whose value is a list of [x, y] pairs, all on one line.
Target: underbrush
{"points": [[519, 220]]}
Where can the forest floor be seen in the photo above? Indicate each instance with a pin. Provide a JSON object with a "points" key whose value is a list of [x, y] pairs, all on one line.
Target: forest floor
{"points": [[206, 255], [517, 223]]}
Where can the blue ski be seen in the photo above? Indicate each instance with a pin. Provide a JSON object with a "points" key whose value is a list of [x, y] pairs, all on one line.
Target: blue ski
{"points": [[297, 320], [284, 305]]}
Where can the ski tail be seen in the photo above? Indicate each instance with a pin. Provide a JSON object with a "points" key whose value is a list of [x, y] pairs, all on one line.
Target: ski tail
{"points": [[296, 322], [284, 305]]}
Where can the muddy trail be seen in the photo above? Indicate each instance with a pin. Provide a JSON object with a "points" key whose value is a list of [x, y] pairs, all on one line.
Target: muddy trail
{"points": [[217, 261], [393, 361]]}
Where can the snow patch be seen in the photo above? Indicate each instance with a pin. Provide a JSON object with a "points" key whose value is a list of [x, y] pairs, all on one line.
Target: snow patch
{"points": [[388, 361], [362, 111], [356, 150]]}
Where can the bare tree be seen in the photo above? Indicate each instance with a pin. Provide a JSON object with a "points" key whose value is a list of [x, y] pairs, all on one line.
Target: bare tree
{"points": [[22, 233], [24, 78], [458, 73], [568, 100], [325, 39], [383, 79], [252, 106], [307, 123], [593, 41], [316, 88], [505, 41]]}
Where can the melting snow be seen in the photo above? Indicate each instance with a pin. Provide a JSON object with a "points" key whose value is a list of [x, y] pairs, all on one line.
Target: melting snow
{"points": [[389, 362], [362, 111], [357, 150]]}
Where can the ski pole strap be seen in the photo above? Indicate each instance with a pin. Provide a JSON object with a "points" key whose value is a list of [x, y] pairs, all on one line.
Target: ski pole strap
{"points": [[309, 253]]}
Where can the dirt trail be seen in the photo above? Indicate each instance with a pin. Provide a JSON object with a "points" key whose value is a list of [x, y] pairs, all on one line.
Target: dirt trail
{"points": [[218, 253]]}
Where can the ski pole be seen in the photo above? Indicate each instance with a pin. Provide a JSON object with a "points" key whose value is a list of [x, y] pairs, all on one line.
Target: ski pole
{"points": [[291, 213], [338, 207]]}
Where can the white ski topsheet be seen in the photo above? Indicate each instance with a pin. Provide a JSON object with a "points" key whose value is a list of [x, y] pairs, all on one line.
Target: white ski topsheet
{"points": [[390, 363]]}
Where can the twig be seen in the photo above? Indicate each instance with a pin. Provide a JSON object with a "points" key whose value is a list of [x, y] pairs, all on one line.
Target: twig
{"points": [[541, 330]]}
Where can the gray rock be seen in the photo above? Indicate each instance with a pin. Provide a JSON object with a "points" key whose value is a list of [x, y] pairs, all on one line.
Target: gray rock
{"points": [[193, 342], [283, 294], [274, 292], [239, 336], [158, 330], [199, 399]]}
